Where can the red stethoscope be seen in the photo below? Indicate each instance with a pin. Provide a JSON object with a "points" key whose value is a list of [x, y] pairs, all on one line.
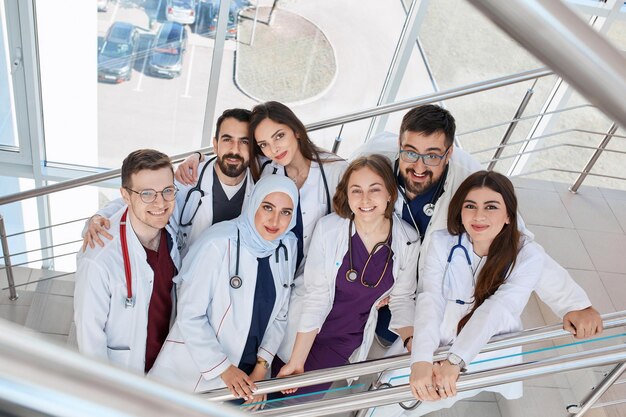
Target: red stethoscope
{"points": [[130, 300]]}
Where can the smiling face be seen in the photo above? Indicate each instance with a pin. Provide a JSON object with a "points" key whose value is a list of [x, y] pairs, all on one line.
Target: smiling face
{"points": [[367, 196], [149, 216], [277, 141], [232, 147], [273, 215], [417, 176], [483, 215]]}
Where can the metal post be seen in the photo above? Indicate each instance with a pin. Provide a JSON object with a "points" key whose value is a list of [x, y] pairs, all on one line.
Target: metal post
{"points": [[593, 159], [256, 18], [7, 260], [512, 126], [595, 394], [337, 141]]}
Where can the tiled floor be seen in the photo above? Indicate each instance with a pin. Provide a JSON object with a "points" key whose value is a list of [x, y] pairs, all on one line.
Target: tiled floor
{"points": [[584, 232]]}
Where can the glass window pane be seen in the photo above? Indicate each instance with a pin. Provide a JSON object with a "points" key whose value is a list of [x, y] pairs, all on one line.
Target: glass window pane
{"points": [[8, 136]]}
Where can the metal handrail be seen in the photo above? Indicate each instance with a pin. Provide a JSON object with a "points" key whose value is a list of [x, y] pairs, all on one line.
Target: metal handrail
{"points": [[523, 118], [569, 171], [335, 121], [467, 382], [540, 334], [47, 227], [39, 280], [53, 380], [547, 148]]}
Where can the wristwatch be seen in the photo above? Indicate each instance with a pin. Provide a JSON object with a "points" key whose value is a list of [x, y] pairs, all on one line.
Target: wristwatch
{"points": [[263, 362], [456, 360]]}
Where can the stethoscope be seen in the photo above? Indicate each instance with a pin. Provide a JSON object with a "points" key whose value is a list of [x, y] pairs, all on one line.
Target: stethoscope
{"points": [[196, 189], [352, 274], [130, 300], [236, 281], [319, 163], [445, 271]]}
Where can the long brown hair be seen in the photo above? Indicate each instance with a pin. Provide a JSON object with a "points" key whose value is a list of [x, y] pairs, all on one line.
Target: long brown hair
{"points": [[279, 113], [380, 166], [504, 248]]}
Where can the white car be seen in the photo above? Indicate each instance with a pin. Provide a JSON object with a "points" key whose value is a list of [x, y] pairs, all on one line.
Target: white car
{"points": [[181, 11], [103, 5]]}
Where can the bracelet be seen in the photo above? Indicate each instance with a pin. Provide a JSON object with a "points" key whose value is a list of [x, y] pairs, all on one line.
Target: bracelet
{"points": [[406, 341], [199, 156]]}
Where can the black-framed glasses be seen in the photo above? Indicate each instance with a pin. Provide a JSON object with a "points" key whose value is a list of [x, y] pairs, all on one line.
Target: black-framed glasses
{"points": [[430, 159], [149, 195]]}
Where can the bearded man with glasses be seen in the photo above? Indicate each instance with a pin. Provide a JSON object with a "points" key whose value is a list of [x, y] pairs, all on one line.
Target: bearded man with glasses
{"points": [[124, 298], [429, 169]]}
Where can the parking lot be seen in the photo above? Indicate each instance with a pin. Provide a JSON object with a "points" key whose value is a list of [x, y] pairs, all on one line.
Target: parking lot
{"points": [[168, 114]]}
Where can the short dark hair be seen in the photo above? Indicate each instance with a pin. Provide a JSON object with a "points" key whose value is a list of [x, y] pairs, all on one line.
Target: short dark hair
{"points": [[382, 167], [243, 115], [143, 159], [429, 119]]}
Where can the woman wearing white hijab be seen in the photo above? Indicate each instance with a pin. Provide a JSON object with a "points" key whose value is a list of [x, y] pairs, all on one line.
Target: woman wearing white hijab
{"points": [[236, 281]]}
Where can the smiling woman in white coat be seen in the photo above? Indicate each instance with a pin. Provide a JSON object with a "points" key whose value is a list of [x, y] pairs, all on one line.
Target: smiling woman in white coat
{"points": [[359, 256], [234, 295], [478, 276]]}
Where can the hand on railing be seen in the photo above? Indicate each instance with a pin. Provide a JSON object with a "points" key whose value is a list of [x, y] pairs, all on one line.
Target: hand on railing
{"points": [[423, 382], [187, 171], [583, 323], [290, 369], [96, 226], [258, 374], [446, 375], [239, 383]]}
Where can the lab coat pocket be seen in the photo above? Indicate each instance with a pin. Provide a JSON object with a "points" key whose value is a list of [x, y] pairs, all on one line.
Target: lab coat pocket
{"points": [[176, 367], [454, 312], [120, 356]]}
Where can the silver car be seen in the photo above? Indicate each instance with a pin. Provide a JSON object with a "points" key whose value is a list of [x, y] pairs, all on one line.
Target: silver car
{"points": [[166, 53], [181, 11]]}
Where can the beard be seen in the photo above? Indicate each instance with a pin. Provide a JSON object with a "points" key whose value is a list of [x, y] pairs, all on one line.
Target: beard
{"points": [[413, 189], [232, 170]]}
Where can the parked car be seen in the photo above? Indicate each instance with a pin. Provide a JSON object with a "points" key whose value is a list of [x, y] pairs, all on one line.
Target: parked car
{"points": [[117, 55], [166, 53], [181, 11], [103, 5], [208, 11]]}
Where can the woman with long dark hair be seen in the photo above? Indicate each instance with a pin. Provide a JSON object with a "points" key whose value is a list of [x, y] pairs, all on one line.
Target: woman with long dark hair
{"points": [[477, 280]]}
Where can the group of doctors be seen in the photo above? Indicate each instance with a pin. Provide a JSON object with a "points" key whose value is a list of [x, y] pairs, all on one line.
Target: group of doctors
{"points": [[210, 280]]}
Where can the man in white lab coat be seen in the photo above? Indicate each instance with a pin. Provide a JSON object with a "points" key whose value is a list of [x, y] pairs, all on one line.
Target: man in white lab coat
{"points": [[211, 192], [429, 169], [124, 298]]}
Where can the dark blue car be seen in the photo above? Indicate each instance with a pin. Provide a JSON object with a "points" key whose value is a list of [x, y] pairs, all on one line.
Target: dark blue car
{"points": [[117, 54], [166, 53]]}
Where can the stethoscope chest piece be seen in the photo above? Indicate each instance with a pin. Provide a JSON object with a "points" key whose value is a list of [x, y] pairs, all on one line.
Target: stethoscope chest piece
{"points": [[130, 302], [429, 209], [351, 275], [235, 281]]}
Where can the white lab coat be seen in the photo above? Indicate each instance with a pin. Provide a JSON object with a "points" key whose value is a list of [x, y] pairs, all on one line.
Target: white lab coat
{"points": [[312, 303], [314, 206], [214, 319], [437, 315], [105, 328], [204, 217], [555, 287]]}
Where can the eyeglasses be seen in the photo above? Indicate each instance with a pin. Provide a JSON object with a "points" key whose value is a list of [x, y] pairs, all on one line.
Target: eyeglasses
{"points": [[149, 196], [430, 159]]}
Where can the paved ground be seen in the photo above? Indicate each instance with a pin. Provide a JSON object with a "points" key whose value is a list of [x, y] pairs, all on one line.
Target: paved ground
{"points": [[289, 61]]}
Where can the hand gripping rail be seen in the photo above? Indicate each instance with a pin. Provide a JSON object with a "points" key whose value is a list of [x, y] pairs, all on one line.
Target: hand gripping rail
{"points": [[467, 382], [353, 370]]}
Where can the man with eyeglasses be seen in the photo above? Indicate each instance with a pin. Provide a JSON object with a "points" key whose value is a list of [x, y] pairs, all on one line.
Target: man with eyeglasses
{"points": [[214, 192], [429, 169], [124, 294]]}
